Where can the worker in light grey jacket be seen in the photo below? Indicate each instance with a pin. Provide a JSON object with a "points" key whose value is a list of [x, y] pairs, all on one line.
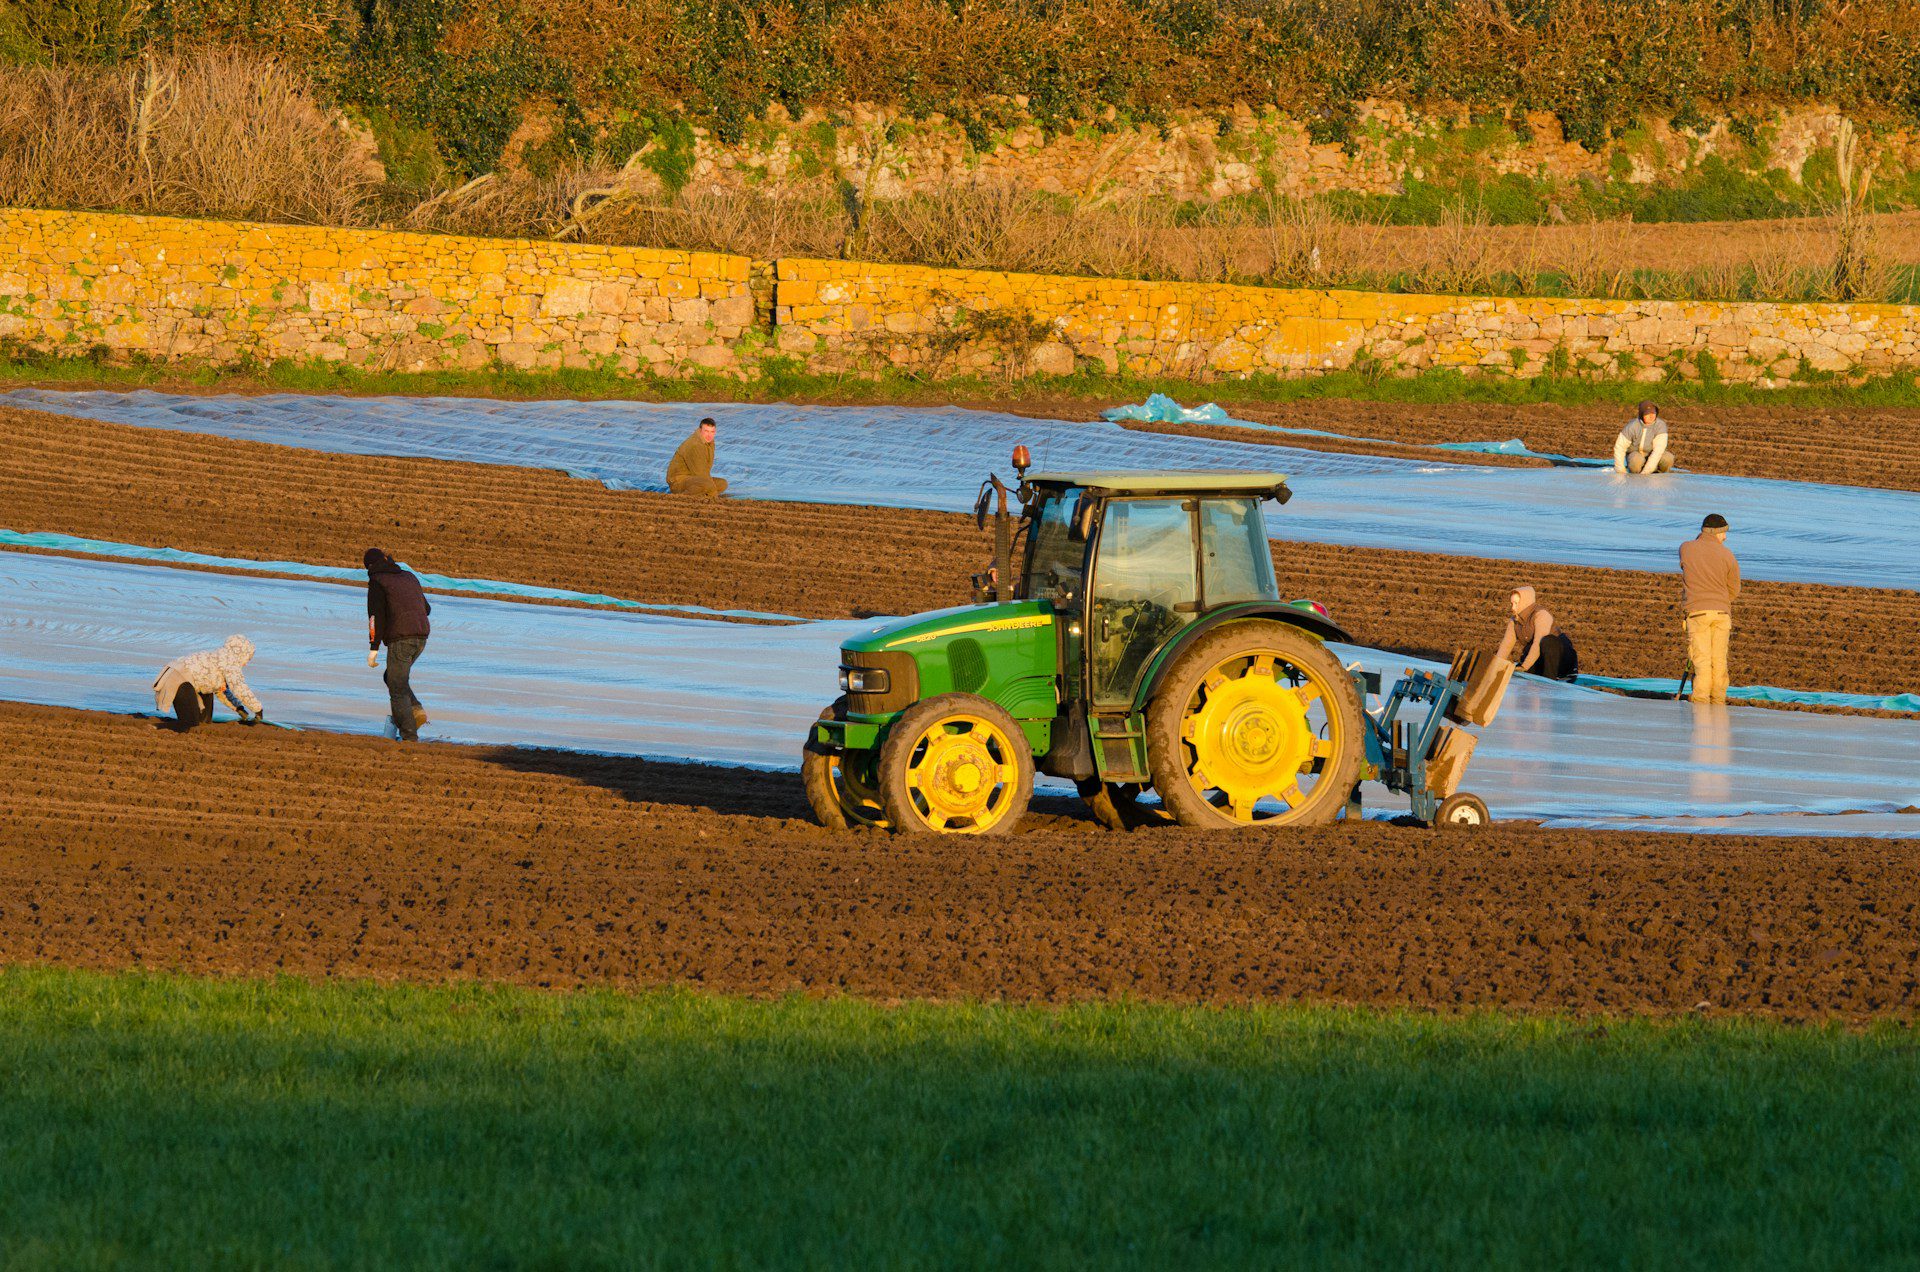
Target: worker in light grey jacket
{"points": [[1642, 446], [190, 685]]}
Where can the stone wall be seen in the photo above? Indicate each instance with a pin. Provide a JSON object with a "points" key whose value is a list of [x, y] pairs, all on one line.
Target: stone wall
{"points": [[839, 313], [224, 293]]}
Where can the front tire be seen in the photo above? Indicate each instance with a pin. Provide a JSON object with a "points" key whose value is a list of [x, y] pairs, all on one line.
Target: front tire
{"points": [[839, 799], [1257, 725], [955, 764]]}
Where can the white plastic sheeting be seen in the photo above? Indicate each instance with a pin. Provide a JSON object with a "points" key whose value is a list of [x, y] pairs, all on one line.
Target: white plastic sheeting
{"points": [[1578, 756], [935, 458], [94, 633]]}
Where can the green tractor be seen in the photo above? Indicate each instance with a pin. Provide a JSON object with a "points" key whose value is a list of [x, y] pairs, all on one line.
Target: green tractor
{"points": [[1140, 642]]}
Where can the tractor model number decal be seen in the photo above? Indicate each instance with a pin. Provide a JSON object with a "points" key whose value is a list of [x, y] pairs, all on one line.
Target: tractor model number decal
{"points": [[996, 625]]}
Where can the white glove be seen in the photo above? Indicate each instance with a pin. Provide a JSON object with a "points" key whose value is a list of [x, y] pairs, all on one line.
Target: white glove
{"points": [[373, 658]]}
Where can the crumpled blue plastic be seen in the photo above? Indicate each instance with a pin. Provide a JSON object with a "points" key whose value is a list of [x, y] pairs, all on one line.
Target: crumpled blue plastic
{"points": [[1161, 409]]}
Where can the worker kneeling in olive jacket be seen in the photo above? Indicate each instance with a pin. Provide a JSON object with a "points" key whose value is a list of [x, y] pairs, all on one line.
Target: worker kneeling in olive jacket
{"points": [[690, 471]]}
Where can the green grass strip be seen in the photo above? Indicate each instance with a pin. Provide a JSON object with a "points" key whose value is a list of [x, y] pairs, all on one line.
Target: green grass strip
{"points": [[156, 1121], [784, 381]]}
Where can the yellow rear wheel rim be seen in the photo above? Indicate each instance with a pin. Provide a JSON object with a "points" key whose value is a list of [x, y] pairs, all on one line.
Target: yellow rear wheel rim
{"points": [[1251, 733], [962, 775]]}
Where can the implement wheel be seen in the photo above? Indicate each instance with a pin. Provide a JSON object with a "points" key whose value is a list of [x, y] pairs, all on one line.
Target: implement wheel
{"points": [[1257, 724], [840, 800], [1462, 809], [957, 764]]}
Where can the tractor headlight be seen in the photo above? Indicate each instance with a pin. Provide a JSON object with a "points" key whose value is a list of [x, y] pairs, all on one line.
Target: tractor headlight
{"points": [[864, 680]]}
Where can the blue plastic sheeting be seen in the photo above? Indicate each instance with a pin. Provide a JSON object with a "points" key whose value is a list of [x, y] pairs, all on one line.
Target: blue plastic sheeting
{"points": [[934, 458], [93, 634], [1652, 686], [442, 582], [1514, 446], [1161, 409]]}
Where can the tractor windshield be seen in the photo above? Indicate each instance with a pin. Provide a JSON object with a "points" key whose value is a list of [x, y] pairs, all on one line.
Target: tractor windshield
{"points": [[1055, 559]]}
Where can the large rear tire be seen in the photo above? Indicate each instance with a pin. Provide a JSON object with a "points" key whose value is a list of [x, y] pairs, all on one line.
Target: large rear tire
{"points": [[1256, 725], [839, 799], [955, 764]]}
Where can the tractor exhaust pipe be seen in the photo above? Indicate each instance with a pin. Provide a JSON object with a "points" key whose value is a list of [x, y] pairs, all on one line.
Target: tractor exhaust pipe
{"points": [[999, 580]]}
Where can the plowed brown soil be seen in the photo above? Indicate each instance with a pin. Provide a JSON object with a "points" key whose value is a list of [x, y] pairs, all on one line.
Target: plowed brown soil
{"points": [[234, 850], [248, 499]]}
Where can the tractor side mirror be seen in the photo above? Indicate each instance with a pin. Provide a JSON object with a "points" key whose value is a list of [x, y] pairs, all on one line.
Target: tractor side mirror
{"points": [[1081, 522]]}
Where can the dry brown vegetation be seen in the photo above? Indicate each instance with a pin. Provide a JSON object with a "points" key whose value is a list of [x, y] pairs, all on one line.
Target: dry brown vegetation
{"points": [[1847, 255], [211, 134], [231, 134]]}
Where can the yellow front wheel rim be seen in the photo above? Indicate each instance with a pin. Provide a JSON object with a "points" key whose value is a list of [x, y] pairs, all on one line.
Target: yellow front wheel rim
{"points": [[962, 775], [1254, 728]]}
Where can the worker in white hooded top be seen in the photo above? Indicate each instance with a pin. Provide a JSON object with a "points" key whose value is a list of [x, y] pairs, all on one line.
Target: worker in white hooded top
{"points": [[189, 685], [1535, 642], [1642, 446]]}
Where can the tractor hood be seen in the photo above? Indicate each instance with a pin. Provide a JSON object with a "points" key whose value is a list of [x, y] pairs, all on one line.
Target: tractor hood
{"points": [[980, 621], [1008, 653]]}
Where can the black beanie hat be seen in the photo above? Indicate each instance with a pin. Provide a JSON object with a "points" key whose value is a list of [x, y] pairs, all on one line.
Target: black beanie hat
{"points": [[1714, 521], [375, 556]]}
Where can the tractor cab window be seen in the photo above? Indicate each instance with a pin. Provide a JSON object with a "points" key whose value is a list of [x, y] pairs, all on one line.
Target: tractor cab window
{"points": [[1234, 554], [1144, 589], [1055, 559]]}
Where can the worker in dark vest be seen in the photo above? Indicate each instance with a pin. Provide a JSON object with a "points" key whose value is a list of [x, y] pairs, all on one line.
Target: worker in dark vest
{"points": [[397, 617], [1533, 640], [690, 471]]}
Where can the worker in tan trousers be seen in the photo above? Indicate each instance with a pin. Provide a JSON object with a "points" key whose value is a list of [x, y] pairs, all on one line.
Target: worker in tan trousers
{"points": [[1711, 578], [690, 471]]}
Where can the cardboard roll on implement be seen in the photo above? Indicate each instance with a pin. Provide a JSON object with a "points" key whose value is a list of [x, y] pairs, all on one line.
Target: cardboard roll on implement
{"points": [[1448, 763], [1486, 678]]}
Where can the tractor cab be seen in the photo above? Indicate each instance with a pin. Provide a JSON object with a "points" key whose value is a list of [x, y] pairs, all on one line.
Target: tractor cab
{"points": [[1138, 557]]}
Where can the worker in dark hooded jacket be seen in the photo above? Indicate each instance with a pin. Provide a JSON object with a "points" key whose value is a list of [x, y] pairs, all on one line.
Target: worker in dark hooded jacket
{"points": [[1534, 640], [397, 617]]}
